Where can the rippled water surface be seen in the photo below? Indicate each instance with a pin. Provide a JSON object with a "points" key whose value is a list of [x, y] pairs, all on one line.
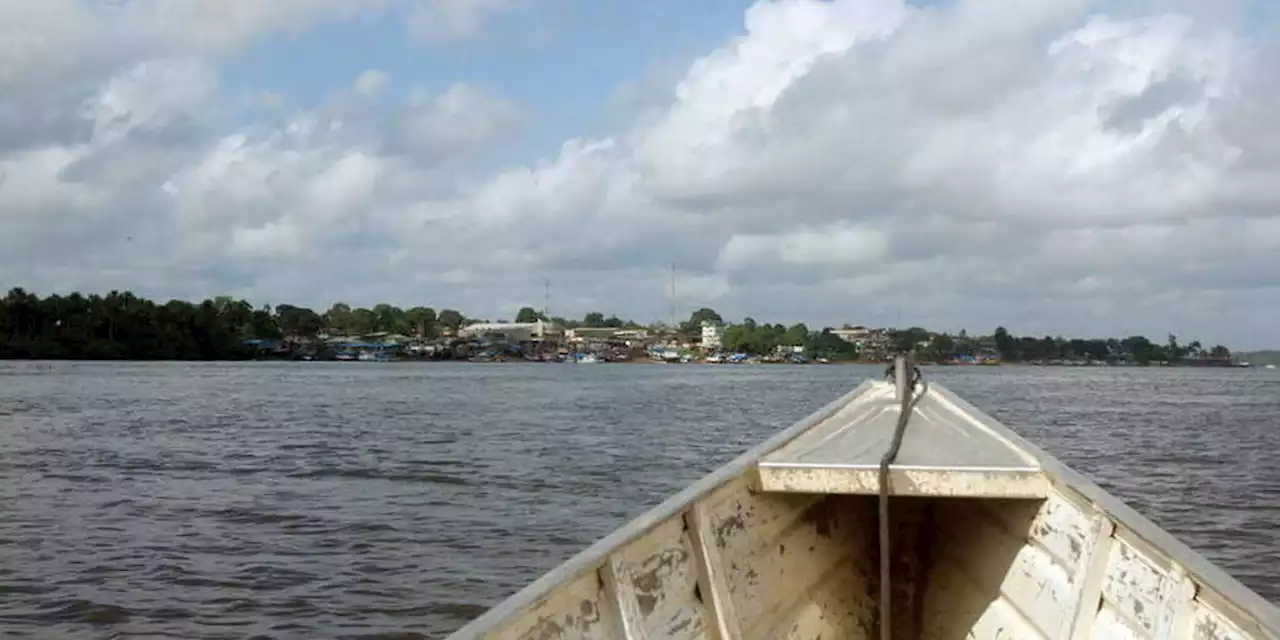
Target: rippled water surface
{"points": [[361, 500]]}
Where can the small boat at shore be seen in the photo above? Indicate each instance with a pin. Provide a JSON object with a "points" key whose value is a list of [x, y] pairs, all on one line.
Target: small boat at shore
{"points": [[897, 511]]}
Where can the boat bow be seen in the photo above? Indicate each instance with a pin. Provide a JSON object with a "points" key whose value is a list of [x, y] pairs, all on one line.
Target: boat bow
{"points": [[991, 539]]}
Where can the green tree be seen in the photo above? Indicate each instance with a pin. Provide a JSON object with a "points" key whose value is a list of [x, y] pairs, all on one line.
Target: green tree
{"points": [[825, 344], [339, 319], [1005, 344], [739, 338], [942, 347], [298, 321], [528, 314], [263, 325], [693, 326], [391, 318], [909, 340], [422, 321], [363, 321], [796, 336], [450, 319], [237, 314]]}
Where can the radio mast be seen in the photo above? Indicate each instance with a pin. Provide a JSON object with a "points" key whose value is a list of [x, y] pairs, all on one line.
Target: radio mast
{"points": [[673, 296]]}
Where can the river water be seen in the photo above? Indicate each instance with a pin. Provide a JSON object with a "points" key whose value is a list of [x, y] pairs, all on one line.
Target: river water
{"points": [[320, 500]]}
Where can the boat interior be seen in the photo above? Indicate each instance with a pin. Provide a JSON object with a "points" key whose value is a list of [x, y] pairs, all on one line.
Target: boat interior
{"points": [[989, 539]]}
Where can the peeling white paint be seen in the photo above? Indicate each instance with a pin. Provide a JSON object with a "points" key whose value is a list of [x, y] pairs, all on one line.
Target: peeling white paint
{"points": [[790, 550]]}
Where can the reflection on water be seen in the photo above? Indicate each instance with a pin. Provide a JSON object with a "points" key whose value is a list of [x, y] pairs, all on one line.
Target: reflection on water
{"points": [[348, 500]]}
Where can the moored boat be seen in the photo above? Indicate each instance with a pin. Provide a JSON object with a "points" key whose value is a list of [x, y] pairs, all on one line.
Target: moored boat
{"points": [[897, 511]]}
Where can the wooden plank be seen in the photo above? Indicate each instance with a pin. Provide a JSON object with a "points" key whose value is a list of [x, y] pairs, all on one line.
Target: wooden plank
{"points": [[960, 607], [580, 610], [1178, 606], [1006, 565], [1136, 586], [1207, 623], [781, 557], [712, 584], [619, 586], [1232, 619], [1110, 624], [662, 577], [1065, 530], [1091, 572]]}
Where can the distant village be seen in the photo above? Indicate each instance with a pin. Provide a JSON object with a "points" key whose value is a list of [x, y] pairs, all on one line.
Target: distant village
{"points": [[546, 341], [121, 326]]}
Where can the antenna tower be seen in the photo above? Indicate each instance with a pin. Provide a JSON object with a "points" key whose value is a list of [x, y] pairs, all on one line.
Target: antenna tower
{"points": [[673, 295]]}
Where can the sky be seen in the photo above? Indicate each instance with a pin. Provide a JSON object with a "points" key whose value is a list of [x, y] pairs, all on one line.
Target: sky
{"points": [[1064, 167]]}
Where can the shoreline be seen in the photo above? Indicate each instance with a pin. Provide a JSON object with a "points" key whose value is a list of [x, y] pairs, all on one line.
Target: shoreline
{"points": [[651, 361]]}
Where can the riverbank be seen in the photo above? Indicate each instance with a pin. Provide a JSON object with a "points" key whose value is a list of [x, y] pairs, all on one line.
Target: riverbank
{"points": [[652, 361]]}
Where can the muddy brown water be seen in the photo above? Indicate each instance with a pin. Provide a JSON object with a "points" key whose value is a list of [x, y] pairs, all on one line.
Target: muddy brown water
{"points": [[362, 500]]}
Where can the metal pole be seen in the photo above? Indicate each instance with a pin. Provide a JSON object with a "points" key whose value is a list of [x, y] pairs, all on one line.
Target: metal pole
{"points": [[673, 296], [901, 375]]}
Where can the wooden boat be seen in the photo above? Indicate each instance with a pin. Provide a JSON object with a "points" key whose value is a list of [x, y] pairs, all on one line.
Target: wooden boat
{"points": [[988, 538]]}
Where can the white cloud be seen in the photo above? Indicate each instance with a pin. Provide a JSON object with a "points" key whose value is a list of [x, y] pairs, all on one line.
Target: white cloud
{"points": [[1039, 165], [463, 117], [52, 42], [440, 21], [371, 81], [831, 246], [276, 238]]}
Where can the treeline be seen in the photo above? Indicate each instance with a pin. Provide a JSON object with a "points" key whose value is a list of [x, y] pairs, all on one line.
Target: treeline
{"points": [[1010, 348], [124, 326], [752, 337], [1133, 348]]}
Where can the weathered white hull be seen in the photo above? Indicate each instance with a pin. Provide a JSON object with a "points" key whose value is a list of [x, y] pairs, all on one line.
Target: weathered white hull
{"points": [[782, 543]]}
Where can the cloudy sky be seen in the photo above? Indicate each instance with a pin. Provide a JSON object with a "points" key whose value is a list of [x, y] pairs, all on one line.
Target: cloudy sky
{"points": [[1059, 166]]}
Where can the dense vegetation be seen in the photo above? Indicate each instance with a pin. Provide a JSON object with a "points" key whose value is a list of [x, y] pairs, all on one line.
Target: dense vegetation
{"points": [[1137, 348], [124, 326], [760, 338]]}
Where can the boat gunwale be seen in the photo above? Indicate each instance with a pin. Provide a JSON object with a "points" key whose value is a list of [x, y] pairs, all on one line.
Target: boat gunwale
{"points": [[1227, 589], [1245, 605], [594, 556]]}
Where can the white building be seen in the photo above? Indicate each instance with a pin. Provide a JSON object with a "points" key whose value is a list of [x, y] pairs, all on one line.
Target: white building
{"points": [[512, 331], [712, 336], [630, 337], [856, 335]]}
